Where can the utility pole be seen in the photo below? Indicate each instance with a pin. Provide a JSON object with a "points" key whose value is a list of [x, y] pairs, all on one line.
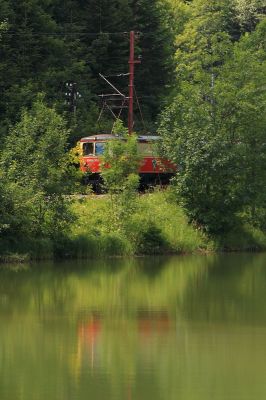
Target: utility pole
{"points": [[132, 63]]}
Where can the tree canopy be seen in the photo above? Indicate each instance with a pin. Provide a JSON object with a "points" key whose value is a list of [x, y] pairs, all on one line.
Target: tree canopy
{"points": [[214, 125], [46, 44], [201, 82]]}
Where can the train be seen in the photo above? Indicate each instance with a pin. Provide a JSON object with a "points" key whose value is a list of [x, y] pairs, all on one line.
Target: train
{"points": [[153, 169]]}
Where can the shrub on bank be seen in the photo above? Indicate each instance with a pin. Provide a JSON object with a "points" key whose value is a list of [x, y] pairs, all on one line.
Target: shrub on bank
{"points": [[157, 226], [35, 177]]}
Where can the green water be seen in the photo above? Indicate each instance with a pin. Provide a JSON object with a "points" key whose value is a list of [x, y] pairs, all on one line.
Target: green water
{"points": [[158, 328]]}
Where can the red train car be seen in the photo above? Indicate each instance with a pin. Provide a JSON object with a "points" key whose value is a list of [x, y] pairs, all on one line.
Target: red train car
{"points": [[152, 170]]}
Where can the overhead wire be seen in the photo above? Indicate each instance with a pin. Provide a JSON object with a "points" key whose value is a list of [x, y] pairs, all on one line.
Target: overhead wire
{"points": [[10, 33], [140, 111], [117, 75], [84, 33], [77, 33]]}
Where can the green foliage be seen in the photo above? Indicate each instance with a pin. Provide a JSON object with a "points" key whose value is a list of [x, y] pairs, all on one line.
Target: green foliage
{"points": [[120, 163], [214, 127], [46, 44], [152, 241], [35, 150], [204, 43], [119, 129], [207, 182], [36, 176], [156, 226], [178, 14], [249, 12], [244, 103], [156, 46], [119, 166]]}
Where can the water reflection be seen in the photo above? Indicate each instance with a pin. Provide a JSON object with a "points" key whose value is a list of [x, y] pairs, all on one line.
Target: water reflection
{"points": [[161, 328]]}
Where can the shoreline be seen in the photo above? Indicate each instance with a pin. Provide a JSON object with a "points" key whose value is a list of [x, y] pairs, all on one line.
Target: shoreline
{"points": [[156, 225], [22, 259]]}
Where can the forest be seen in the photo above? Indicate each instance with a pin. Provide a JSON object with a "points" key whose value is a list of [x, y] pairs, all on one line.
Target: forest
{"points": [[201, 84]]}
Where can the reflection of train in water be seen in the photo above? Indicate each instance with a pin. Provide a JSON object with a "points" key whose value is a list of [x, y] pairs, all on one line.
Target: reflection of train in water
{"points": [[153, 169]]}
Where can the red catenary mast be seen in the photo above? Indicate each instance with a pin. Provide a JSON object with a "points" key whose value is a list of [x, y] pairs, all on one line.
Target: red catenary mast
{"points": [[132, 63]]}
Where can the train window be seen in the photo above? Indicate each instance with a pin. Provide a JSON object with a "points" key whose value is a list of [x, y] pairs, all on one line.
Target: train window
{"points": [[147, 149], [99, 148], [87, 149]]}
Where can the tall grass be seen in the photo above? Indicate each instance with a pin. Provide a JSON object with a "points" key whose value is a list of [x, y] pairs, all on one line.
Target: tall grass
{"points": [[157, 226], [25, 249]]}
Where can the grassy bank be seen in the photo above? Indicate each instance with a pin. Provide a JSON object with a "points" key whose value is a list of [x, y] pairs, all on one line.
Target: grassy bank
{"points": [[155, 225]]}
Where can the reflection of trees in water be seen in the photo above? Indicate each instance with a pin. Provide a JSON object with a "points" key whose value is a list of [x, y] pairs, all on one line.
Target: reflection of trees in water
{"points": [[28, 291], [117, 290], [200, 287], [234, 291], [119, 332], [105, 313]]}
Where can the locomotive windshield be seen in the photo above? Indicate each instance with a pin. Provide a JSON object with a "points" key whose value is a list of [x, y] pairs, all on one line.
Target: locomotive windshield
{"points": [[99, 148], [93, 148], [87, 149]]}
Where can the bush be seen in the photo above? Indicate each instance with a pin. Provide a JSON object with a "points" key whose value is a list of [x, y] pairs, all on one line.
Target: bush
{"points": [[119, 166], [152, 241], [35, 177]]}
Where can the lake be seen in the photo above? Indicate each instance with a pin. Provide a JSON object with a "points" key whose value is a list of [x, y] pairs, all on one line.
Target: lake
{"points": [[186, 328]]}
